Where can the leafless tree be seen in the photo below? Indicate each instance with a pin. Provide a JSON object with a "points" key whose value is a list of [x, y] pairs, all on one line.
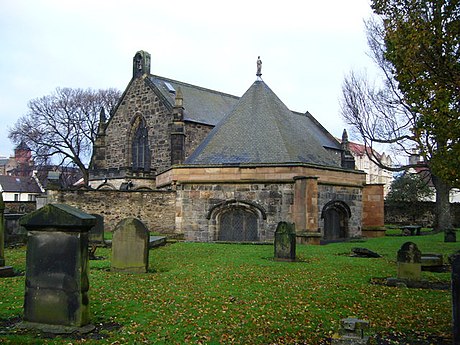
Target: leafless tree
{"points": [[64, 125], [380, 116]]}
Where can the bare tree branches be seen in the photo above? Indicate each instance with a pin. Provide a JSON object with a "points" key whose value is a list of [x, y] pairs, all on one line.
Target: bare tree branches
{"points": [[64, 125]]}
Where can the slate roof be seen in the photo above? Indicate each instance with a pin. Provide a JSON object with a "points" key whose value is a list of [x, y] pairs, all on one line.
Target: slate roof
{"points": [[201, 105], [19, 184], [261, 129], [210, 107]]}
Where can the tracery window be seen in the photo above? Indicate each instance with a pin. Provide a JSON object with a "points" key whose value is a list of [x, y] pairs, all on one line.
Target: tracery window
{"points": [[140, 149]]}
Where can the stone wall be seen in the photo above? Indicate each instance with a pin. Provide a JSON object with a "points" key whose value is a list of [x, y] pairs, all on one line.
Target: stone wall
{"points": [[351, 196], [194, 135], [19, 206], [155, 208], [196, 202], [373, 206], [139, 100], [417, 213]]}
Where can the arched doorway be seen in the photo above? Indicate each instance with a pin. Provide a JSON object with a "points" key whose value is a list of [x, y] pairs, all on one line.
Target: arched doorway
{"points": [[238, 224], [336, 215]]}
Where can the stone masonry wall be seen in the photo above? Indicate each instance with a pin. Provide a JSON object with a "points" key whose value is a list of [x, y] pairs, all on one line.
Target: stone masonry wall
{"points": [[352, 196], [155, 208], [373, 206], [194, 135], [195, 201], [139, 100]]}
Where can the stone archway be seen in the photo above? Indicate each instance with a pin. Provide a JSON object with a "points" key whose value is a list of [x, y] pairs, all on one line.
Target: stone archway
{"points": [[336, 215], [237, 224], [237, 221]]}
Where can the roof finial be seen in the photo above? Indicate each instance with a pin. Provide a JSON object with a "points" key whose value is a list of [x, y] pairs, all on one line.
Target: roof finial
{"points": [[259, 67]]}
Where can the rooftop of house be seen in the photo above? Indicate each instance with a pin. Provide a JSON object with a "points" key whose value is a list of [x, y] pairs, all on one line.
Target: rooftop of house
{"points": [[19, 184]]}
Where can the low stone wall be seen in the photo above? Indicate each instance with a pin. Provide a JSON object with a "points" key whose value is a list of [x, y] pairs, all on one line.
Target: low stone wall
{"points": [[22, 207], [417, 213], [156, 209]]}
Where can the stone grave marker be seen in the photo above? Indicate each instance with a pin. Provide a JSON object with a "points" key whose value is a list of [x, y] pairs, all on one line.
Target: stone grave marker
{"points": [[57, 281], [130, 247], [351, 332], [450, 235], [96, 236], [456, 298], [285, 241], [409, 262], [5, 271]]}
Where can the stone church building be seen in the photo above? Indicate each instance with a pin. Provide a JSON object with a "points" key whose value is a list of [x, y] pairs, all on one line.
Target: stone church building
{"points": [[235, 166]]}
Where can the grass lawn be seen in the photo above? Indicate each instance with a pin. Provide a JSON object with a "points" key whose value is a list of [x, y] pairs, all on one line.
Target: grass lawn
{"points": [[202, 293]]}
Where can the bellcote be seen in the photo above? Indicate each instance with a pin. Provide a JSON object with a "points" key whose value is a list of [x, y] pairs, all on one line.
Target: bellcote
{"points": [[141, 64]]}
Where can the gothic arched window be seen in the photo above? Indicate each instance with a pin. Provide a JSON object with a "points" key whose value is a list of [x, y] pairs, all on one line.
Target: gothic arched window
{"points": [[140, 149]]}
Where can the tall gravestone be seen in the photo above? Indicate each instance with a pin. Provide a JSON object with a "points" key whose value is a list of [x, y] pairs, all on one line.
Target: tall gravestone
{"points": [[409, 262], [5, 271], [130, 247], [96, 236], [57, 281], [456, 298], [285, 241]]}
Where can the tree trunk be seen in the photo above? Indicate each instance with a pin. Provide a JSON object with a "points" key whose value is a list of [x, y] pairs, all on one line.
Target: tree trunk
{"points": [[443, 218]]}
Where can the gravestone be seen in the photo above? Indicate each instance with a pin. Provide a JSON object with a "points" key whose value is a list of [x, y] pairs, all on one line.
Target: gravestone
{"points": [[285, 240], [57, 281], [351, 332], [130, 247], [450, 235], [96, 236], [5, 271], [456, 298], [409, 262]]}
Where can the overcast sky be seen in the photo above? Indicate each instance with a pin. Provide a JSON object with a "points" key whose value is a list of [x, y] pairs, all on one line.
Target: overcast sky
{"points": [[307, 47]]}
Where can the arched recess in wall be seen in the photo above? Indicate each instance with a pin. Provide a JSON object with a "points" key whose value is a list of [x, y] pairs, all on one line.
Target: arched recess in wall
{"points": [[335, 215], [142, 189], [106, 186], [237, 221], [138, 148]]}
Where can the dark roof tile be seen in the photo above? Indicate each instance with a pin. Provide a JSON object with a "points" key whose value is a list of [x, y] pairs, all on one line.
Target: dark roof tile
{"points": [[261, 129]]}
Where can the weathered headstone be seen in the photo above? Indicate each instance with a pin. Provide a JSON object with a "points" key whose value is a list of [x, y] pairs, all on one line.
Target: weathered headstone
{"points": [[130, 246], [285, 240], [409, 262], [5, 271], [450, 235], [96, 236], [57, 281], [456, 298], [351, 332]]}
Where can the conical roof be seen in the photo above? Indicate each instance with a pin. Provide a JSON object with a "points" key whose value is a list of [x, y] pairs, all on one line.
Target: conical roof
{"points": [[260, 129]]}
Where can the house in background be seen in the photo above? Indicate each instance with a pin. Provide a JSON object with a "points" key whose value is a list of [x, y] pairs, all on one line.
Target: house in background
{"points": [[374, 173], [21, 164], [422, 170], [20, 188]]}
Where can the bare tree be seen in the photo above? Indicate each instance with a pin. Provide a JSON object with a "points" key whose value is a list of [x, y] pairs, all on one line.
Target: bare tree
{"points": [[384, 116], [64, 125]]}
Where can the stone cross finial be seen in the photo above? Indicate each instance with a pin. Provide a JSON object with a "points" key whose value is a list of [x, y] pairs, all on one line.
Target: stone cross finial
{"points": [[259, 67]]}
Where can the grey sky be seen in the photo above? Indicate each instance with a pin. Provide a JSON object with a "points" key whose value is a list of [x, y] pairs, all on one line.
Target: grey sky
{"points": [[306, 47]]}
